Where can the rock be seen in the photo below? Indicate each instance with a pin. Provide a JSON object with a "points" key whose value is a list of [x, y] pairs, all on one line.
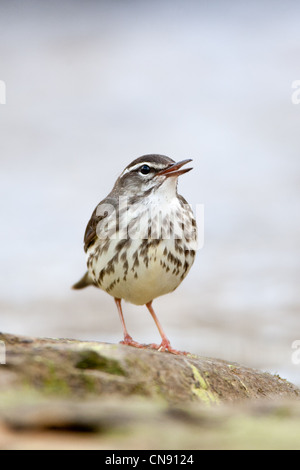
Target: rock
{"points": [[79, 368], [51, 385]]}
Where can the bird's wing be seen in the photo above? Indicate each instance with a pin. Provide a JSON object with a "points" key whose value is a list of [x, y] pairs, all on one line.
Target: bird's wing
{"points": [[103, 209]]}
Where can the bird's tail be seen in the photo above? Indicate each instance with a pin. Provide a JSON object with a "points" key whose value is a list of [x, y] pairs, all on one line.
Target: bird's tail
{"points": [[85, 281]]}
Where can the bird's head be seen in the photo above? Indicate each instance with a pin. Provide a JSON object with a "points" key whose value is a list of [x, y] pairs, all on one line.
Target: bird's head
{"points": [[150, 173]]}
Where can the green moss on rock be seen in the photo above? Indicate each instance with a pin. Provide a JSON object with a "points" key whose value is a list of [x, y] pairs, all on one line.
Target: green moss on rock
{"points": [[90, 359]]}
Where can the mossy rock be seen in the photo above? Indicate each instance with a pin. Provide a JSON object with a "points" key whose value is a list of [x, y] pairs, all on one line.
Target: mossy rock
{"points": [[68, 394], [79, 368]]}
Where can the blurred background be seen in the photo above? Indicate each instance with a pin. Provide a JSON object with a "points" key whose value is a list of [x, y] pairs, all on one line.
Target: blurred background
{"points": [[90, 86]]}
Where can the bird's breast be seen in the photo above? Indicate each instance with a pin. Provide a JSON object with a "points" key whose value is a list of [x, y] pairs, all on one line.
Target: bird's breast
{"points": [[149, 255]]}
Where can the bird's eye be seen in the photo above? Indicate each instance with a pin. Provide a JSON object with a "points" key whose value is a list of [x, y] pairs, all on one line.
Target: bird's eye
{"points": [[145, 169]]}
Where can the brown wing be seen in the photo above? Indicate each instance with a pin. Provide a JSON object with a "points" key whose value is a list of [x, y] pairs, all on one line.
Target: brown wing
{"points": [[99, 214], [90, 231]]}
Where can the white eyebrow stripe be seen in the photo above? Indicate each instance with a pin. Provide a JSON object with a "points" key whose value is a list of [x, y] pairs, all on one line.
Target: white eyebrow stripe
{"points": [[158, 166]]}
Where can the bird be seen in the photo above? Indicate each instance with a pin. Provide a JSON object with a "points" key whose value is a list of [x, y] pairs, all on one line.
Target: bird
{"points": [[141, 240]]}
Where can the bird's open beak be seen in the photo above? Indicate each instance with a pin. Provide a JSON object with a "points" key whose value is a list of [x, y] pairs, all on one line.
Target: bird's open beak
{"points": [[174, 170]]}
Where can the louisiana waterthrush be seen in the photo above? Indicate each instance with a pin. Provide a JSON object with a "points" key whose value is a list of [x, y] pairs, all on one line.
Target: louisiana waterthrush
{"points": [[141, 239]]}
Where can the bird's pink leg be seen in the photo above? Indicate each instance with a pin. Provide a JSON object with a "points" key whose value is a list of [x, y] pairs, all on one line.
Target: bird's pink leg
{"points": [[165, 345], [127, 338]]}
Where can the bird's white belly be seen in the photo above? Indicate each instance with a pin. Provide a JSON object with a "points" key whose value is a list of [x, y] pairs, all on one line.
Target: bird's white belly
{"points": [[139, 269], [139, 279]]}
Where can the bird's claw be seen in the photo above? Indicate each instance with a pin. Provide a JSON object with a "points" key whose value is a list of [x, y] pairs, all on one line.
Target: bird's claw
{"points": [[128, 341], [165, 346]]}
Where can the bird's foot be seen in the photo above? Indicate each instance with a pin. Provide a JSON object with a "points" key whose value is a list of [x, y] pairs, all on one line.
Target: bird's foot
{"points": [[128, 341], [165, 345]]}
